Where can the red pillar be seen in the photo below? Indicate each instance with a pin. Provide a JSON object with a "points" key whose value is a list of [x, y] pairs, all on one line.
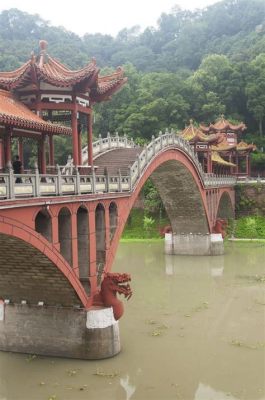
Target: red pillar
{"points": [[248, 165], [51, 150], [21, 151], [209, 161], [1, 155], [107, 228], [90, 138], [42, 155], [75, 133], [8, 157], [237, 166], [74, 244], [92, 251], [80, 158]]}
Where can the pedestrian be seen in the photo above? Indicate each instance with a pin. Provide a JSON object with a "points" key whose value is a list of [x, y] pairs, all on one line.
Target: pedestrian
{"points": [[17, 167]]}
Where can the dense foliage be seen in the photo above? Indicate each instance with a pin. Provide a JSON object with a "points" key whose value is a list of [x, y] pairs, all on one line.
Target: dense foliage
{"points": [[195, 64]]}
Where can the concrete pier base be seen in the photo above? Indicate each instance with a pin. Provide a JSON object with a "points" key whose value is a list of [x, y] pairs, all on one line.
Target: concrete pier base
{"points": [[59, 331], [194, 244]]}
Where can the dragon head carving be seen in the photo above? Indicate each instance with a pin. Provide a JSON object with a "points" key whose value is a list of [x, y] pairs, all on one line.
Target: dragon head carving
{"points": [[112, 284]]}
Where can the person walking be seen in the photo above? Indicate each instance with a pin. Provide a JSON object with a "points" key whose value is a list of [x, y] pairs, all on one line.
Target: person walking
{"points": [[17, 167]]}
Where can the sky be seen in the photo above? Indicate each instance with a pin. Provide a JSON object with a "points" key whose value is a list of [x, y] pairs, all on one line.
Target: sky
{"points": [[101, 16]]}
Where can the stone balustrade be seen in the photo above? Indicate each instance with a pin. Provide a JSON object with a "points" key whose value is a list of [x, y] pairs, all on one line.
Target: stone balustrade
{"points": [[75, 181]]}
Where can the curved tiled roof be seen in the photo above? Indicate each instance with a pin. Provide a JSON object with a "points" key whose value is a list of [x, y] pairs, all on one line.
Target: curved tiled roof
{"points": [[243, 146], [219, 160], [193, 134], [222, 125], [16, 114], [48, 69]]}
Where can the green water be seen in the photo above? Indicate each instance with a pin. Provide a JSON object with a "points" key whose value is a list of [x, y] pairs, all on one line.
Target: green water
{"points": [[193, 330]]}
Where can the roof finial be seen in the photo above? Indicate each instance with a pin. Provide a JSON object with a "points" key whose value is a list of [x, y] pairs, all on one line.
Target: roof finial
{"points": [[222, 116], [32, 57], [43, 45], [191, 121]]}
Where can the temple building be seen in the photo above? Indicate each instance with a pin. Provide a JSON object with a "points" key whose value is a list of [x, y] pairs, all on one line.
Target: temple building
{"points": [[44, 98], [219, 149]]}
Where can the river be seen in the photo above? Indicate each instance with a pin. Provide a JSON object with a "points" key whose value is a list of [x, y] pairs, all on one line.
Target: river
{"points": [[193, 330]]}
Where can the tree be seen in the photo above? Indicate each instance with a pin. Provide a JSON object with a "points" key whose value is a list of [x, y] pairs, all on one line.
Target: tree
{"points": [[255, 89]]}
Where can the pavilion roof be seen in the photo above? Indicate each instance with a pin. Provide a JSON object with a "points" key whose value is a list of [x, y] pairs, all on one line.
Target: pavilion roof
{"points": [[193, 134], [219, 160], [47, 69], [14, 113], [243, 146], [223, 125]]}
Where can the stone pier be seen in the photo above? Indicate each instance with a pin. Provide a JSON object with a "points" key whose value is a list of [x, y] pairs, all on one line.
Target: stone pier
{"points": [[194, 244], [59, 331]]}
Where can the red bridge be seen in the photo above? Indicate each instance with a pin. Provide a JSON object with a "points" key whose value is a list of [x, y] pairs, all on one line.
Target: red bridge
{"points": [[60, 228], [59, 233]]}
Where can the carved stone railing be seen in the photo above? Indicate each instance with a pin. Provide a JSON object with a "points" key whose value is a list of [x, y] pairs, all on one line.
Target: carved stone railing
{"points": [[170, 139], [108, 143], [74, 182]]}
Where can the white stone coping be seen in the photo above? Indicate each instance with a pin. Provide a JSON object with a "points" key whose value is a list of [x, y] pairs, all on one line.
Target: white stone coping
{"points": [[99, 318]]}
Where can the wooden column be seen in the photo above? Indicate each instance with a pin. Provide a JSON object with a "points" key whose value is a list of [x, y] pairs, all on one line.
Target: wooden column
{"points": [[248, 165], [92, 251], [74, 243], [80, 158], [51, 150], [75, 132], [209, 161], [237, 166], [90, 138], [42, 155], [21, 151], [8, 158], [1, 155]]}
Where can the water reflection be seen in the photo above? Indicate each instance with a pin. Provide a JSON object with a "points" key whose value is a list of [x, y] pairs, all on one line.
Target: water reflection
{"points": [[129, 388]]}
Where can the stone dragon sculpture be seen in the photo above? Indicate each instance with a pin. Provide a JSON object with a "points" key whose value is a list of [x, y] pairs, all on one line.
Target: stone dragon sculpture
{"points": [[112, 284]]}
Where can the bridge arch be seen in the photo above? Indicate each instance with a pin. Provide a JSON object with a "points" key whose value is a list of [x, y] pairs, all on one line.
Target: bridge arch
{"points": [[65, 233], [100, 223], [225, 208], [43, 224], [32, 269], [178, 180], [113, 218], [83, 246]]}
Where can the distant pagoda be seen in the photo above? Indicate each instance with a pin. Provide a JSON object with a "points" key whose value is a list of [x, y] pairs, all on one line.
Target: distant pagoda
{"points": [[218, 148], [43, 89]]}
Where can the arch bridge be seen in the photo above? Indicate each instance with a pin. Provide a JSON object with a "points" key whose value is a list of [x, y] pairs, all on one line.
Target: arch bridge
{"points": [[59, 233]]}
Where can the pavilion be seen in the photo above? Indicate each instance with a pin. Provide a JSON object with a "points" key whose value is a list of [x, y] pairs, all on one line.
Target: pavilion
{"points": [[44, 98]]}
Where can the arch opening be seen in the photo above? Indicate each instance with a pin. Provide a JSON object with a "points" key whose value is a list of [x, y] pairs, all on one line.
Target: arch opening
{"points": [[113, 219], [225, 208], [43, 224], [83, 247], [100, 240], [65, 234]]}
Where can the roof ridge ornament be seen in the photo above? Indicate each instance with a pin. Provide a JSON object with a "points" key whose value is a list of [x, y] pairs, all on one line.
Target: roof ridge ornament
{"points": [[43, 47]]}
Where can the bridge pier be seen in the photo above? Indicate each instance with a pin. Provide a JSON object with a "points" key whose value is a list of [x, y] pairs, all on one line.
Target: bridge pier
{"points": [[194, 244], [59, 331]]}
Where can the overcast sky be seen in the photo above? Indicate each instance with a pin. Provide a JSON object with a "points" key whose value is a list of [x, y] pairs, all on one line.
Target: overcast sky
{"points": [[104, 16]]}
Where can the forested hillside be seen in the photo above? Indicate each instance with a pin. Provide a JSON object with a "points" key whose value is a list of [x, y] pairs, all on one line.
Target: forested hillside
{"points": [[193, 65]]}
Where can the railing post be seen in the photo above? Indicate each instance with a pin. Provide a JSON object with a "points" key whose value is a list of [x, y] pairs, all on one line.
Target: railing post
{"points": [[11, 182], [146, 154], [117, 139], [59, 180], [119, 181], [138, 165], [153, 145], [100, 143], [93, 182], [37, 180], [125, 141], [106, 173], [109, 140], [160, 137], [130, 178], [77, 182]]}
